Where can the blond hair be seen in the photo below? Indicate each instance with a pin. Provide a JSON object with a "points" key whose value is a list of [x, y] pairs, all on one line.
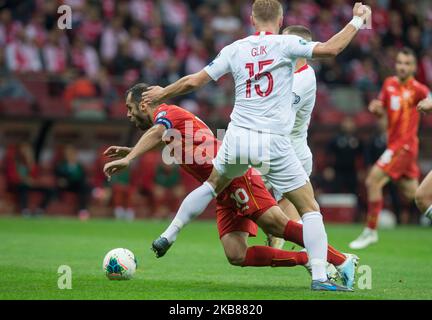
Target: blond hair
{"points": [[266, 10]]}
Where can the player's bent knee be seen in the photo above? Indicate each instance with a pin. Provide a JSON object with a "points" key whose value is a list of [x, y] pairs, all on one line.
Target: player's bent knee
{"points": [[235, 247], [236, 259]]}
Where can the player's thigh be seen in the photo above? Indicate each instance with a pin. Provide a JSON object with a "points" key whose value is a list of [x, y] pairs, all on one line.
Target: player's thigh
{"points": [[235, 246], [377, 177], [232, 159], [219, 182], [289, 209], [303, 199], [408, 187], [273, 221], [286, 172], [423, 195]]}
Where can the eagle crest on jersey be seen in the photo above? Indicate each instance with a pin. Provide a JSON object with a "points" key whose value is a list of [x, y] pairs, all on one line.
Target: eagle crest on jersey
{"points": [[296, 98]]}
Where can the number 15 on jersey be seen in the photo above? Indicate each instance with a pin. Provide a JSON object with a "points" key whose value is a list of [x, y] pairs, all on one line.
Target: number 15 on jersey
{"points": [[251, 68]]}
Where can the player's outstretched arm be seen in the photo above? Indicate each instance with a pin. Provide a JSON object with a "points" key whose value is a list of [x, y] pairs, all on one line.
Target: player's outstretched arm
{"points": [[339, 41], [425, 105], [156, 94], [149, 140]]}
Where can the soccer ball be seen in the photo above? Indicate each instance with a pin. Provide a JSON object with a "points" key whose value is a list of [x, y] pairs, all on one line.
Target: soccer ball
{"points": [[119, 264]]}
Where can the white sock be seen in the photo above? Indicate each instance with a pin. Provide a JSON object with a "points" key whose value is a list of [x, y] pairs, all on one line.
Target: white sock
{"points": [[129, 214], [315, 241], [119, 212], [428, 212], [192, 206], [369, 230]]}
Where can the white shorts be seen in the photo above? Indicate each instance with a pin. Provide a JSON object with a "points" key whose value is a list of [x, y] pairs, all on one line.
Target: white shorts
{"points": [[271, 154], [307, 164], [303, 152]]}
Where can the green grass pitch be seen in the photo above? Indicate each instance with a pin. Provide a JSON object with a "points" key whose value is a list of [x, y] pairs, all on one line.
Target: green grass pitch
{"points": [[195, 268]]}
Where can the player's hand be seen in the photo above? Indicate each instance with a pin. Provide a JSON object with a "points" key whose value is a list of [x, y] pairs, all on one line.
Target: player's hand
{"points": [[116, 152], [365, 12], [152, 95], [357, 9], [425, 105], [115, 166], [376, 107], [362, 11]]}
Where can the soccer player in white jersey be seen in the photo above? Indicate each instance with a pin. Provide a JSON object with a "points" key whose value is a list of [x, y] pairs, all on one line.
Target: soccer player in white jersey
{"points": [[262, 66], [304, 94]]}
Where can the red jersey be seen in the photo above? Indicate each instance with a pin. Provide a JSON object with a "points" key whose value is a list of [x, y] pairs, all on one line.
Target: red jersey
{"points": [[400, 102], [192, 144]]}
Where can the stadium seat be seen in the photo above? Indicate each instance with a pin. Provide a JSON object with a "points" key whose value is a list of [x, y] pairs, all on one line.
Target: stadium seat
{"points": [[331, 117], [88, 108], [66, 205], [118, 110], [16, 107], [38, 88], [365, 119], [53, 108]]}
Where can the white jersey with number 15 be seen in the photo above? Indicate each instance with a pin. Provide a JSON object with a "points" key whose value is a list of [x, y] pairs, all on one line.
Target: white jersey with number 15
{"points": [[262, 66]]}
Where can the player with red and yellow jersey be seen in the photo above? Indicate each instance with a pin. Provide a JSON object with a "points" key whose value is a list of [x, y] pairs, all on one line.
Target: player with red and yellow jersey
{"points": [[240, 207], [398, 101]]}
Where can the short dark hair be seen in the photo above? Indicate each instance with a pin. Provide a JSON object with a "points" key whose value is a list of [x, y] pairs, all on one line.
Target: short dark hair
{"points": [[408, 51], [299, 30], [136, 92]]}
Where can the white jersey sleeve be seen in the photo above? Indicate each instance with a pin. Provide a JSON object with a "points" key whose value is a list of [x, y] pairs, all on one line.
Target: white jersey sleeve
{"points": [[297, 47], [304, 94], [220, 65]]}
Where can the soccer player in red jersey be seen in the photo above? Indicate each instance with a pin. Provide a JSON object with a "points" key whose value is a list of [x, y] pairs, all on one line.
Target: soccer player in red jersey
{"points": [[243, 205], [398, 100], [423, 195]]}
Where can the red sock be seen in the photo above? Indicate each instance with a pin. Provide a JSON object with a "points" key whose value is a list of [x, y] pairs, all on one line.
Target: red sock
{"points": [[294, 233], [261, 256], [374, 208], [335, 257]]}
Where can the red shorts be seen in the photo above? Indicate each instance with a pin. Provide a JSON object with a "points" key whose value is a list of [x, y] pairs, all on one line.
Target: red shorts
{"points": [[242, 203], [399, 163]]}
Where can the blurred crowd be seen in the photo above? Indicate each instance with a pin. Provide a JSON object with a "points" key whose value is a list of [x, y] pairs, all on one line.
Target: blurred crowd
{"points": [[68, 185], [114, 44], [160, 41]]}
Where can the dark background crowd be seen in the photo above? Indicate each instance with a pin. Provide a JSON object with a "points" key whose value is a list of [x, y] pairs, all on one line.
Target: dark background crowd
{"points": [[62, 96]]}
